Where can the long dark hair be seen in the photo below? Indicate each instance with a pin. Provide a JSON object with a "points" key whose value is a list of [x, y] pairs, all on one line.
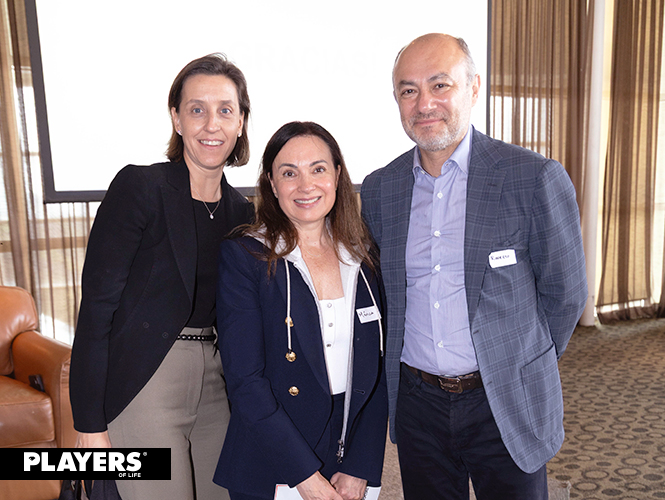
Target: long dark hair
{"points": [[346, 225], [212, 64]]}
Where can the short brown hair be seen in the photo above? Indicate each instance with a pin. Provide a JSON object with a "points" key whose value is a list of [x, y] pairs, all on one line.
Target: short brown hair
{"points": [[212, 64]]}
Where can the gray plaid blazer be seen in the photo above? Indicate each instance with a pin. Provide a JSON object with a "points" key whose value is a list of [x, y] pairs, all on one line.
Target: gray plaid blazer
{"points": [[521, 316]]}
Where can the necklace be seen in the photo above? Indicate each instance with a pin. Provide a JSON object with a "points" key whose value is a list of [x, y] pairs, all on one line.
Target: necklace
{"points": [[205, 204]]}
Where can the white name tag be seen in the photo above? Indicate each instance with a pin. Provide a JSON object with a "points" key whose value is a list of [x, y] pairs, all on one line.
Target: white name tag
{"points": [[503, 258], [367, 314]]}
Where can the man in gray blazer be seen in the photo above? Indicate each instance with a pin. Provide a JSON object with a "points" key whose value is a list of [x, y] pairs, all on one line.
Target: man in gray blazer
{"points": [[482, 260]]}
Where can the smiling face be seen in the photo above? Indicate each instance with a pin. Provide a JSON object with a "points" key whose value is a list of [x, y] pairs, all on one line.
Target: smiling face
{"points": [[209, 120], [304, 180], [432, 89]]}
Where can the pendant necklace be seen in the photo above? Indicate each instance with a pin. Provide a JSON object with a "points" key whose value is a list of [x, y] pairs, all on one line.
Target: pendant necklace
{"points": [[205, 204]]}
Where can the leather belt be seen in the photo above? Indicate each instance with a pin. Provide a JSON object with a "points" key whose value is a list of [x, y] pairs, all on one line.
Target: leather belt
{"points": [[449, 384], [201, 334], [203, 338]]}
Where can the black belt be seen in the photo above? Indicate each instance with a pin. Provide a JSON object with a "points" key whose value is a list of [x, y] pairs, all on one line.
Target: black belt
{"points": [[200, 334], [203, 338], [449, 384]]}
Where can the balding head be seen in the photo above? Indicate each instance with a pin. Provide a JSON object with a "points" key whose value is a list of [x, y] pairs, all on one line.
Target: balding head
{"points": [[440, 43]]}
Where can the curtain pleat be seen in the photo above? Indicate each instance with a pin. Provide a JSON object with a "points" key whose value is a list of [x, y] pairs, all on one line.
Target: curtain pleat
{"points": [[42, 247], [539, 83], [11, 143], [630, 170]]}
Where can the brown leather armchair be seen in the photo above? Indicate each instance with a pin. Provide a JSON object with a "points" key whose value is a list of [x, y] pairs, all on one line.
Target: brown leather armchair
{"points": [[30, 418]]}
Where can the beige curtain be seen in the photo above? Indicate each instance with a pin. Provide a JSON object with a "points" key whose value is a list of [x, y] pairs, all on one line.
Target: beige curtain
{"points": [[538, 75], [540, 97], [630, 171], [42, 246], [661, 306]]}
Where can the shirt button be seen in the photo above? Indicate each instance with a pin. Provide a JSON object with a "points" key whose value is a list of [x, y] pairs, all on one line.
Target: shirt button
{"points": [[330, 325], [440, 344], [437, 267], [329, 304], [437, 233], [436, 305], [328, 345], [439, 195]]}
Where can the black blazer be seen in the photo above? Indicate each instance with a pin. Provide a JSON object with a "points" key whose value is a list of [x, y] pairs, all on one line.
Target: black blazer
{"points": [[137, 286]]}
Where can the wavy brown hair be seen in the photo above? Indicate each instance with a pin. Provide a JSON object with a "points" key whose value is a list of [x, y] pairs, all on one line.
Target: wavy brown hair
{"points": [[346, 225], [213, 65]]}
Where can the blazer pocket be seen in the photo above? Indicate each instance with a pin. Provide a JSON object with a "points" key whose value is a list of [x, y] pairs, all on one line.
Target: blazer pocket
{"points": [[543, 397], [503, 239]]}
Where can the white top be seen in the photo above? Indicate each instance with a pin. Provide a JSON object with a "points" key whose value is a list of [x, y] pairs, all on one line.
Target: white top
{"points": [[336, 312], [336, 341]]}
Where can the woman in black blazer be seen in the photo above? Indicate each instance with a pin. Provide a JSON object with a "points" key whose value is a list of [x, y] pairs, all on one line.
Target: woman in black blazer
{"points": [[300, 332], [145, 371]]}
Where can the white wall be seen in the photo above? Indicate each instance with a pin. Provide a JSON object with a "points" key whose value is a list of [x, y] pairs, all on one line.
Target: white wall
{"points": [[108, 67]]}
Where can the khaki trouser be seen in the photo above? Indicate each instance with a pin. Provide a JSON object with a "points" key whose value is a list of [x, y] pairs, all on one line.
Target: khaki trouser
{"points": [[182, 407]]}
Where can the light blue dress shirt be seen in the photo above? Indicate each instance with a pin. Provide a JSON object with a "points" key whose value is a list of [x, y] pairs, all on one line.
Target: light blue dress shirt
{"points": [[437, 337]]}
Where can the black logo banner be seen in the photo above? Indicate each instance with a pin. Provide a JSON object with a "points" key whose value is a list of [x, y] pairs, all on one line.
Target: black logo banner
{"points": [[85, 463]]}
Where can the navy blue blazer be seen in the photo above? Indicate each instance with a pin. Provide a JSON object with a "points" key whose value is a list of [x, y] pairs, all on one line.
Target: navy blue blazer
{"points": [[137, 286], [521, 316], [275, 437]]}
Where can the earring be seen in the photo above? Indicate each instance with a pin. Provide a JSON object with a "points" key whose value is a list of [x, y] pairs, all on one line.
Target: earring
{"points": [[179, 132], [240, 134]]}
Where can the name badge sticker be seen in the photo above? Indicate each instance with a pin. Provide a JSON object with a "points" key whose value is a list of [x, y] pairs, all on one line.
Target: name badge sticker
{"points": [[367, 314], [503, 258]]}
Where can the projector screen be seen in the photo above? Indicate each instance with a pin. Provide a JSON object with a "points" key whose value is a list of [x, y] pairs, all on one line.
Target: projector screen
{"points": [[102, 72]]}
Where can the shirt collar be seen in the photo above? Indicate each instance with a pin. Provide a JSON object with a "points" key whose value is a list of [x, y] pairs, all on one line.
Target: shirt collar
{"points": [[460, 156], [296, 254]]}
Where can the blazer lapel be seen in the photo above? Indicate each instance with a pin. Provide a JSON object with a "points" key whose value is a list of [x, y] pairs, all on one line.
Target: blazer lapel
{"points": [[365, 346], [396, 193], [179, 215], [482, 202], [306, 326]]}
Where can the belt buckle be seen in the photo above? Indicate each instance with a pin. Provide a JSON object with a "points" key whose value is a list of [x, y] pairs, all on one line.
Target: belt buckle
{"points": [[451, 384]]}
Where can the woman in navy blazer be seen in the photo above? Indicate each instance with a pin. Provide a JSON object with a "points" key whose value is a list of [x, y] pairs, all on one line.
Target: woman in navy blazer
{"points": [[300, 332], [145, 371]]}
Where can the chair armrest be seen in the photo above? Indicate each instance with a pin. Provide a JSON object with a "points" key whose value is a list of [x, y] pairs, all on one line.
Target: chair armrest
{"points": [[35, 354]]}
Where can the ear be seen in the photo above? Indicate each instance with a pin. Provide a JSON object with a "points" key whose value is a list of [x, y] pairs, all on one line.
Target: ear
{"points": [[242, 122], [475, 86], [175, 119]]}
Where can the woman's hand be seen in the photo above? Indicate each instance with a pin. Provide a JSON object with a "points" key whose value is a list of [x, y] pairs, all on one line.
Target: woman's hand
{"points": [[349, 487], [93, 440], [316, 487]]}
